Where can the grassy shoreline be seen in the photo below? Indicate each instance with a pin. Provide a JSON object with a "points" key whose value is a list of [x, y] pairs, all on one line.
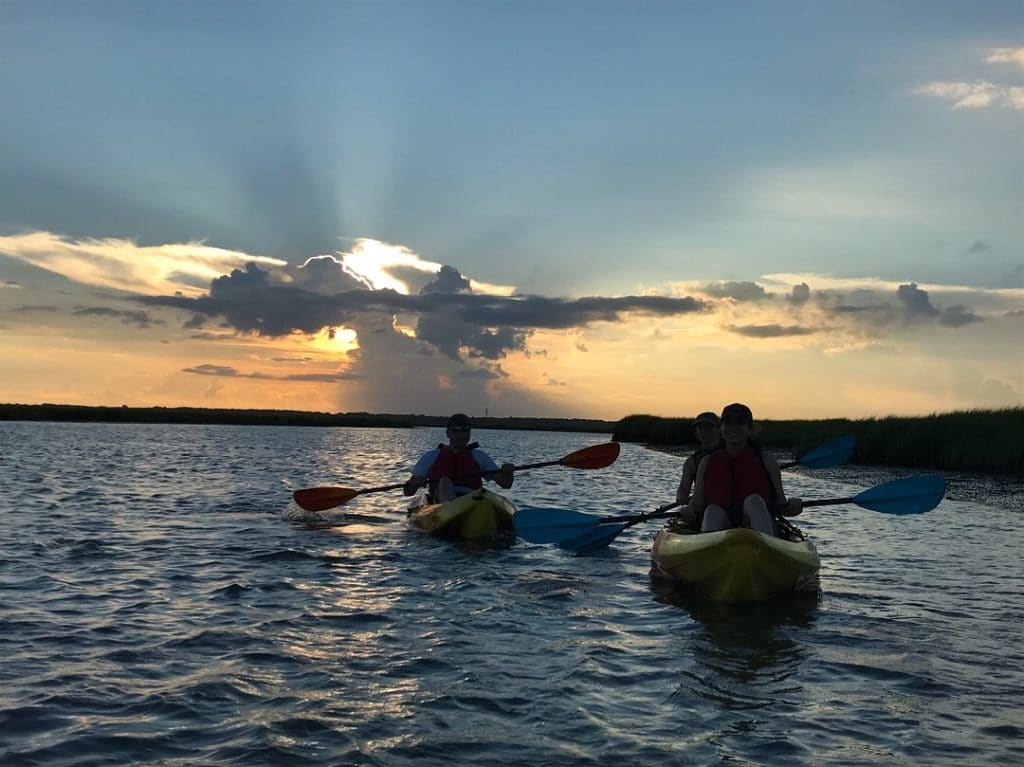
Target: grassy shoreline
{"points": [[974, 440], [232, 417]]}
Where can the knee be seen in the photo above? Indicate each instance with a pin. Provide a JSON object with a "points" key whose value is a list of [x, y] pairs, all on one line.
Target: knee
{"points": [[715, 518], [754, 502]]}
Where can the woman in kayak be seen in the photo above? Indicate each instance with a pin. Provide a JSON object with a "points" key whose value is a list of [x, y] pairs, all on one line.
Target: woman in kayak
{"points": [[738, 484], [456, 468], [705, 427]]}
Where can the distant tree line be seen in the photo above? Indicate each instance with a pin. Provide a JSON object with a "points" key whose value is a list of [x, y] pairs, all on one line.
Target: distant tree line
{"points": [[970, 440]]}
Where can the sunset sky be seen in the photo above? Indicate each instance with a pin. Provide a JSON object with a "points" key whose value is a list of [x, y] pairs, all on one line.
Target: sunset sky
{"points": [[526, 208]]}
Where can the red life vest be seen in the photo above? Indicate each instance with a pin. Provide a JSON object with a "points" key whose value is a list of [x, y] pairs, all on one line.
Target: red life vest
{"points": [[457, 466], [728, 481]]}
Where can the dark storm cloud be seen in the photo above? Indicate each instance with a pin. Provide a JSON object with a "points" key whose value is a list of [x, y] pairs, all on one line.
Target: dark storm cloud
{"points": [[771, 330], [252, 300], [737, 291]]}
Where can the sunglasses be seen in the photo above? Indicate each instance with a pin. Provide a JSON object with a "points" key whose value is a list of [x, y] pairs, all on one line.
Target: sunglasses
{"points": [[458, 428]]}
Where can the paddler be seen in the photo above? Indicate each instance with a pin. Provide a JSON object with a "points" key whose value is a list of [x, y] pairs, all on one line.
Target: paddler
{"points": [[456, 468], [739, 483], [705, 428]]}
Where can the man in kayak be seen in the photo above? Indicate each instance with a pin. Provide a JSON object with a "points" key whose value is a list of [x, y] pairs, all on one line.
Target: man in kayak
{"points": [[705, 428], [739, 483], [456, 468]]}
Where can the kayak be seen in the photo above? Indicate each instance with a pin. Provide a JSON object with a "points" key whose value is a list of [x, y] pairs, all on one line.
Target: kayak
{"points": [[736, 565], [480, 516]]}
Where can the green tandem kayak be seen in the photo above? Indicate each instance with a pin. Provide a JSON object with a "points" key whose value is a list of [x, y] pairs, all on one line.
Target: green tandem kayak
{"points": [[735, 566]]}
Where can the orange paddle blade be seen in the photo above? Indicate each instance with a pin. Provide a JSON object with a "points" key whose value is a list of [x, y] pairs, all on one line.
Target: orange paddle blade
{"points": [[321, 498], [594, 457]]}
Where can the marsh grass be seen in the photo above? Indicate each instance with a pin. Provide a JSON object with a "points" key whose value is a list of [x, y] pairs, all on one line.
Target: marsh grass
{"points": [[971, 440]]}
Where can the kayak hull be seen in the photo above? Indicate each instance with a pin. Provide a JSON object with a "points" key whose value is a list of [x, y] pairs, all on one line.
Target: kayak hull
{"points": [[735, 566], [480, 516]]}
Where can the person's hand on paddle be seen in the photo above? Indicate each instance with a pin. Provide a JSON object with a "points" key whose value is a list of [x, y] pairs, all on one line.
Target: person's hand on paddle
{"points": [[793, 507], [688, 516], [506, 476], [413, 484]]}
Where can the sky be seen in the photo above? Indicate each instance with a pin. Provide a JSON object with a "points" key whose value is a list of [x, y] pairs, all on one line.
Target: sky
{"points": [[577, 209]]}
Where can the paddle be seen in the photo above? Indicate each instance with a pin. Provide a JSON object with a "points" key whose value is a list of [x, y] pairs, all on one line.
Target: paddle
{"points": [[833, 453], [322, 498], [581, 532], [557, 526], [911, 495]]}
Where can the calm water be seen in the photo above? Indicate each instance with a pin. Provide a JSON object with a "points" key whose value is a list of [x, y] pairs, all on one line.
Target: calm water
{"points": [[162, 602]]}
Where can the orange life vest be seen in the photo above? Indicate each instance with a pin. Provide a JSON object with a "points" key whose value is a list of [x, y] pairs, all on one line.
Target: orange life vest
{"points": [[461, 467], [728, 481]]}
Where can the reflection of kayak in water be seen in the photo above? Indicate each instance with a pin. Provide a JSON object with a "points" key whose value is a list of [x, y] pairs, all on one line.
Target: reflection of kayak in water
{"points": [[737, 565], [480, 516]]}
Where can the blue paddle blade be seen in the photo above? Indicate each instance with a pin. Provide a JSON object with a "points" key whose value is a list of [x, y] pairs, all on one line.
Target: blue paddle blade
{"points": [[595, 539], [540, 525], [834, 453], [910, 495]]}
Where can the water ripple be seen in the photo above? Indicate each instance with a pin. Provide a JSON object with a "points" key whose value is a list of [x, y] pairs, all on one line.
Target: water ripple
{"points": [[163, 602]]}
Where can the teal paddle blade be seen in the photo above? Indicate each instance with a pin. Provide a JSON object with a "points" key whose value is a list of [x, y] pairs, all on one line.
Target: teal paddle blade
{"points": [[834, 453], [910, 495], [543, 525], [597, 538]]}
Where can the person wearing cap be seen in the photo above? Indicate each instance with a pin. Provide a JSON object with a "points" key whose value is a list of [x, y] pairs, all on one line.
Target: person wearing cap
{"points": [[705, 428], [739, 483], [456, 468]]}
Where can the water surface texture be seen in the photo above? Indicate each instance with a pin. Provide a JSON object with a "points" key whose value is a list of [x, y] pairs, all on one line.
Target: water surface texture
{"points": [[162, 602]]}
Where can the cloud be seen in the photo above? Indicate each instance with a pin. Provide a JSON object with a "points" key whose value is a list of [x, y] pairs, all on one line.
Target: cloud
{"points": [[223, 371], [980, 94], [253, 301], [976, 95], [771, 330], [915, 301], [979, 246], [800, 295], [128, 317], [738, 291], [124, 265], [1007, 56], [957, 316]]}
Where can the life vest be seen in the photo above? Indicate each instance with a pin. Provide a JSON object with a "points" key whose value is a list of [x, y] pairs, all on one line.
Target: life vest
{"points": [[461, 467], [728, 481]]}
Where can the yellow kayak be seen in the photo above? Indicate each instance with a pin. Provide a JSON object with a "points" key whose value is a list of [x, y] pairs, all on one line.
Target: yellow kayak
{"points": [[737, 565], [480, 516]]}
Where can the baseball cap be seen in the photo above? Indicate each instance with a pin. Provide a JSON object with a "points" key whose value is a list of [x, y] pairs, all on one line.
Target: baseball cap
{"points": [[706, 417], [739, 412], [460, 420]]}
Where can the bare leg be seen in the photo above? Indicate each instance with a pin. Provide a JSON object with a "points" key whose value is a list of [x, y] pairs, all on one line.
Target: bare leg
{"points": [[445, 490], [715, 518], [756, 515]]}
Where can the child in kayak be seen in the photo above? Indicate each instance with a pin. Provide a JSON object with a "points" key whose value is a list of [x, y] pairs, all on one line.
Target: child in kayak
{"points": [[456, 468], [738, 484], [705, 427]]}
